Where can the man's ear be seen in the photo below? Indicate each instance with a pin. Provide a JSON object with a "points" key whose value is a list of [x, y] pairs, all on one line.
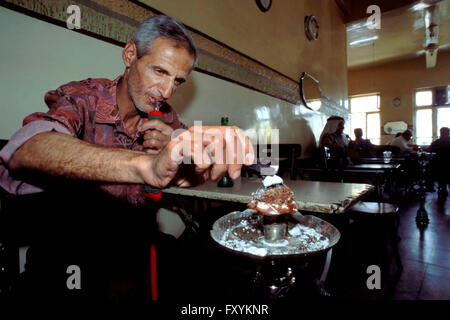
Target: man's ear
{"points": [[129, 53]]}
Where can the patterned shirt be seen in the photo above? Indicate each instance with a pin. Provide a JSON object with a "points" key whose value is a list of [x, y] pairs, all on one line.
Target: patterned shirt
{"points": [[86, 110]]}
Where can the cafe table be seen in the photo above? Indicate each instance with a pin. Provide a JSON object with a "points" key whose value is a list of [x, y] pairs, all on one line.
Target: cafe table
{"points": [[311, 196], [383, 172]]}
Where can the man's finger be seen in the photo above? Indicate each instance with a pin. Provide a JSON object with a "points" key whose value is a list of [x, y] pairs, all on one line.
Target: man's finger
{"points": [[158, 125], [152, 151]]}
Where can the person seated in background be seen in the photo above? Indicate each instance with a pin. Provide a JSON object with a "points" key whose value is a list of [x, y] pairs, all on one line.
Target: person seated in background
{"points": [[441, 147], [333, 136], [443, 142], [363, 146], [402, 142]]}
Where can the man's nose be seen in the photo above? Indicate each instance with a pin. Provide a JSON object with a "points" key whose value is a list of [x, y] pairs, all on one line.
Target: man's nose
{"points": [[166, 88]]}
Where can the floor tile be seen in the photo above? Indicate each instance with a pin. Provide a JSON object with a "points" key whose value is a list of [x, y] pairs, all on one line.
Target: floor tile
{"points": [[410, 282]]}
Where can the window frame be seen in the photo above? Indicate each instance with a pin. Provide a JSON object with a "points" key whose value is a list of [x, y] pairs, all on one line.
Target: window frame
{"points": [[434, 111], [378, 95]]}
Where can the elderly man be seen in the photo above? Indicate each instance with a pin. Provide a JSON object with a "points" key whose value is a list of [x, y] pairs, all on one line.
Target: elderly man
{"points": [[441, 147], [93, 152], [363, 146], [333, 136], [443, 142], [402, 142]]}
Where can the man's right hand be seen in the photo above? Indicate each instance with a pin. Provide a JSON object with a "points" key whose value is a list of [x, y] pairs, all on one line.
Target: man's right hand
{"points": [[209, 151]]}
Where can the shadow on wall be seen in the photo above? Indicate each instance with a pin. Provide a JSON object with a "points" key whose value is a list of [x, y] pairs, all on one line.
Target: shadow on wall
{"points": [[300, 129]]}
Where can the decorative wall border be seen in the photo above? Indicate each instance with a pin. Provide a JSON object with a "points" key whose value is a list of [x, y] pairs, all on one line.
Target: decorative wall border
{"points": [[117, 21]]}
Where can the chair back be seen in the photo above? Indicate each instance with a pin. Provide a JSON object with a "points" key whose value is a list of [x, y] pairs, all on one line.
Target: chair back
{"points": [[332, 161], [440, 165], [3, 142]]}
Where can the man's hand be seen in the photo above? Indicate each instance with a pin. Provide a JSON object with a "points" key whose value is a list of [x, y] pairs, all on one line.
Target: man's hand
{"points": [[199, 154], [156, 136], [196, 155]]}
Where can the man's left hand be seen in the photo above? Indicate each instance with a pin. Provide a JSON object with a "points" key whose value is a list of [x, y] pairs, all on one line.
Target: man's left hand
{"points": [[156, 135]]}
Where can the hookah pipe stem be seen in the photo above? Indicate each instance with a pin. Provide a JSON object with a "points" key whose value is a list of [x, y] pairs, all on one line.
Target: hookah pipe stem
{"points": [[152, 192]]}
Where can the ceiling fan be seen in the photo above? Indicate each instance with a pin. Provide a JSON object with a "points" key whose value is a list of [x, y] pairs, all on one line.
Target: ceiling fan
{"points": [[431, 44]]}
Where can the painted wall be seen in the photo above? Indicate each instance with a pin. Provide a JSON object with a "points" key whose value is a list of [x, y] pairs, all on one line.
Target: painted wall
{"points": [[36, 57], [399, 79], [275, 38], [40, 56]]}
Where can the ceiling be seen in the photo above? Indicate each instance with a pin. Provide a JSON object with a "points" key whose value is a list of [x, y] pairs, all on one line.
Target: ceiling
{"points": [[400, 36]]}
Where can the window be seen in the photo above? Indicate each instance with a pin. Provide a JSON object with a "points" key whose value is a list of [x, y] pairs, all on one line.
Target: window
{"points": [[365, 114], [432, 113], [443, 118], [424, 98], [424, 132]]}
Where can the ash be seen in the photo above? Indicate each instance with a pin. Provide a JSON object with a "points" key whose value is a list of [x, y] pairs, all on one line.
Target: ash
{"points": [[249, 238]]}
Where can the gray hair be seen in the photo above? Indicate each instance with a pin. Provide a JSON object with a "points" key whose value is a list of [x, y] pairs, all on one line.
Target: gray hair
{"points": [[165, 27]]}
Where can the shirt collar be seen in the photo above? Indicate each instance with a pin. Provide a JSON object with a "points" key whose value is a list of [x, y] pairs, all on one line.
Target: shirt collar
{"points": [[107, 110]]}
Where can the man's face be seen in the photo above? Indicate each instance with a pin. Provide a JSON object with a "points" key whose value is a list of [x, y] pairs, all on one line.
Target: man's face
{"points": [[407, 136], [153, 78], [340, 127]]}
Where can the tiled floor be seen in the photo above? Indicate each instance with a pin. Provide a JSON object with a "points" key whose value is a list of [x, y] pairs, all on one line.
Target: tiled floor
{"points": [[425, 253]]}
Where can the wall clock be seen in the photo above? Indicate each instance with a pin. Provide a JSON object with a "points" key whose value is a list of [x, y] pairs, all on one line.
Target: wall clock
{"points": [[311, 28], [396, 102], [264, 5]]}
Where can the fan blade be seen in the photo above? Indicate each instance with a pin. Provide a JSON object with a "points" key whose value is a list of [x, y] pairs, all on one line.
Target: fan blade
{"points": [[431, 35], [430, 58]]}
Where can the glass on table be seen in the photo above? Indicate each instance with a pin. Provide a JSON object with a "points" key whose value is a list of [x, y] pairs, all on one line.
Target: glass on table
{"points": [[387, 156]]}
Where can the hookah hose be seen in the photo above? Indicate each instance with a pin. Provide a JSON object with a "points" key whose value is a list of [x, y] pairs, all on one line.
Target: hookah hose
{"points": [[155, 195]]}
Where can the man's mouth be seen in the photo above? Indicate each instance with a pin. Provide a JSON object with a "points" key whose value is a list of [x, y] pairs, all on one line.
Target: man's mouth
{"points": [[156, 102]]}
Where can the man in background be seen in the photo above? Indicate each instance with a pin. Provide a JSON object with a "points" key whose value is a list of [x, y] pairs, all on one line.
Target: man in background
{"points": [[402, 142], [333, 137], [363, 146], [441, 147], [442, 143]]}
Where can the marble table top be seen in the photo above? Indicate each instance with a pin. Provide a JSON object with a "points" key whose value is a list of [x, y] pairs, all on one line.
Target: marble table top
{"points": [[312, 196]]}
